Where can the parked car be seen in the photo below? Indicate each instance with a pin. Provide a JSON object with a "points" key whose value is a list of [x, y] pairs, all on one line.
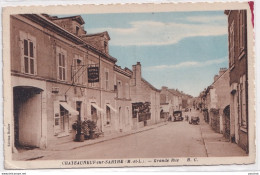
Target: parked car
{"points": [[194, 120], [177, 116]]}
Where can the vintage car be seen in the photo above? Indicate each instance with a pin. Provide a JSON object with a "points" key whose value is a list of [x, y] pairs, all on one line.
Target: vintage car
{"points": [[177, 116], [194, 120]]}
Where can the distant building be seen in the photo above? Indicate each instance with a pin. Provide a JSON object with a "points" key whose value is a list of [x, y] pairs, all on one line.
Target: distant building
{"points": [[237, 38], [145, 99], [169, 102], [218, 93]]}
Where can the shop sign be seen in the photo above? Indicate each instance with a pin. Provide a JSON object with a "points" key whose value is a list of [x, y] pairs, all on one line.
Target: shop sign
{"points": [[93, 74]]}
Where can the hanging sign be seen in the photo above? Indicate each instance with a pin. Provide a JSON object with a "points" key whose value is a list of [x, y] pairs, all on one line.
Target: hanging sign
{"points": [[93, 74]]}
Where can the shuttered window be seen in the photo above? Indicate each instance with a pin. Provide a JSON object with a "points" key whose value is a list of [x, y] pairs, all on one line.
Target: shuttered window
{"points": [[28, 53], [62, 64]]}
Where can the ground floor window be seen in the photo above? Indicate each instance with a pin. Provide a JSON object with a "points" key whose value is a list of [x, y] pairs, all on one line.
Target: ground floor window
{"points": [[94, 114], [64, 119], [108, 114]]}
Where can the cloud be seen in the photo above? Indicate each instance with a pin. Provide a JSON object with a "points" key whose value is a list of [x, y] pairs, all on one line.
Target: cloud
{"points": [[187, 64], [205, 19], [145, 33]]}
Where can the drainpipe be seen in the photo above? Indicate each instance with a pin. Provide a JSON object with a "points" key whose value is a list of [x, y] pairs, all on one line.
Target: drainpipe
{"points": [[101, 120]]}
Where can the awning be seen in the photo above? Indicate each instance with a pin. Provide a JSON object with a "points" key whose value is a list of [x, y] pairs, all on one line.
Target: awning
{"points": [[113, 109], [69, 108], [97, 107]]}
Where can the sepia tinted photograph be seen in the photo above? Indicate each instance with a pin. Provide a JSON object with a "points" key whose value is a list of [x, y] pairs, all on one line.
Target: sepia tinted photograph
{"points": [[119, 88]]}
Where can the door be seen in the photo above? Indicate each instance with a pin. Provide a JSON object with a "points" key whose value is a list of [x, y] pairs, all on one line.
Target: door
{"points": [[27, 116]]}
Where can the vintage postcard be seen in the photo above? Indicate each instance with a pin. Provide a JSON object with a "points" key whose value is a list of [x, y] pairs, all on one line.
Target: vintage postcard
{"points": [[129, 85]]}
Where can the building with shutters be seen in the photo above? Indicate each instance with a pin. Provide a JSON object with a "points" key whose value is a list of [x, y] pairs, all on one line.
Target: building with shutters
{"points": [[53, 84], [61, 74], [238, 57]]}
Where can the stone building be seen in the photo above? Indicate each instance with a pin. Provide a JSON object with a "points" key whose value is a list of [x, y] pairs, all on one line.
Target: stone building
{"points": [[60, 74], [237, 34], [170, 100], [145, 99], [218, 100], [123, 100]]}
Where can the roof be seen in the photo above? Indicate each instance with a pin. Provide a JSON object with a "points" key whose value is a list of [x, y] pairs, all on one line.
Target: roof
{"points": [[175, 92], [98, 34], [151, 86], [122, 71], [77, 18], [44, 20]]}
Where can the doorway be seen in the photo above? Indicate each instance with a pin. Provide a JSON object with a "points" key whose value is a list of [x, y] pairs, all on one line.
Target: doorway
{"points": [[27, 113]]}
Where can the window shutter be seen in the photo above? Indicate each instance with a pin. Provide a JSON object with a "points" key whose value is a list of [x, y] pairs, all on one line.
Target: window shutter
{"points": [[23, 36], [65, 55], [56, 115], [35, 54], [58, 50]]}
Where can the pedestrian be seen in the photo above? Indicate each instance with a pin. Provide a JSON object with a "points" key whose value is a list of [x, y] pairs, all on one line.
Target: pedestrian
{"points": [[190, 110]]}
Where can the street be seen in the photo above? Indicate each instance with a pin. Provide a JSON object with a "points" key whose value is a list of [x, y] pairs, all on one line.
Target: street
{"points": [[176, 139]]}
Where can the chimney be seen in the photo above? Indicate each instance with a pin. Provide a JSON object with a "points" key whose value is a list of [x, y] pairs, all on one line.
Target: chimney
{"points": [[138, 73], [164, 88], [215, 78], [134, 71], [222, 71]]}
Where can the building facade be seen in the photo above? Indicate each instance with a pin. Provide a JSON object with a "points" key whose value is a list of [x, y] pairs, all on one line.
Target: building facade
{"points": [[60, 74], [170, 101], [237, 34], [145, 99]]}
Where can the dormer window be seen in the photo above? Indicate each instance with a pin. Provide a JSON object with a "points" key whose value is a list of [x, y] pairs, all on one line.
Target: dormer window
{"points": [[77, 30], [105, 46]]}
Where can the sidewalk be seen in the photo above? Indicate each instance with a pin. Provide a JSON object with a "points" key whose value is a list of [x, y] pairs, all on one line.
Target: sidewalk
{"points": [[216, 145], [38, 153]]}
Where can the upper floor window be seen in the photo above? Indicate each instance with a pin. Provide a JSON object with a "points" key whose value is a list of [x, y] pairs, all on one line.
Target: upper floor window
{"points": [[77, 69], [62, 63], [119, 89], [77, 30], [127, 91], [242, 34], [106, 80], [231, 44], [28, 53], [106, 46]]}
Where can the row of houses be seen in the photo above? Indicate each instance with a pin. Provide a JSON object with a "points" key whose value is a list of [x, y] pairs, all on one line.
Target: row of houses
{"points": [[173, 100], [61, 74], [225, 102]]}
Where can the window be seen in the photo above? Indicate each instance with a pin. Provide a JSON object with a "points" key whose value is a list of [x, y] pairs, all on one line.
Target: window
{"points": [[119, 89], [77, 30], [28, 53], [127, 91], [64, 115], [105, 46], [231, 45], [106, 79], [127, 116], [62, 65], [77, 69], [108, 114], [242, 14]]}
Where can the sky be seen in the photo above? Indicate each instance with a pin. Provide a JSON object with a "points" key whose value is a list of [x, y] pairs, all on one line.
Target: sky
{"points": [[180, 50]]}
